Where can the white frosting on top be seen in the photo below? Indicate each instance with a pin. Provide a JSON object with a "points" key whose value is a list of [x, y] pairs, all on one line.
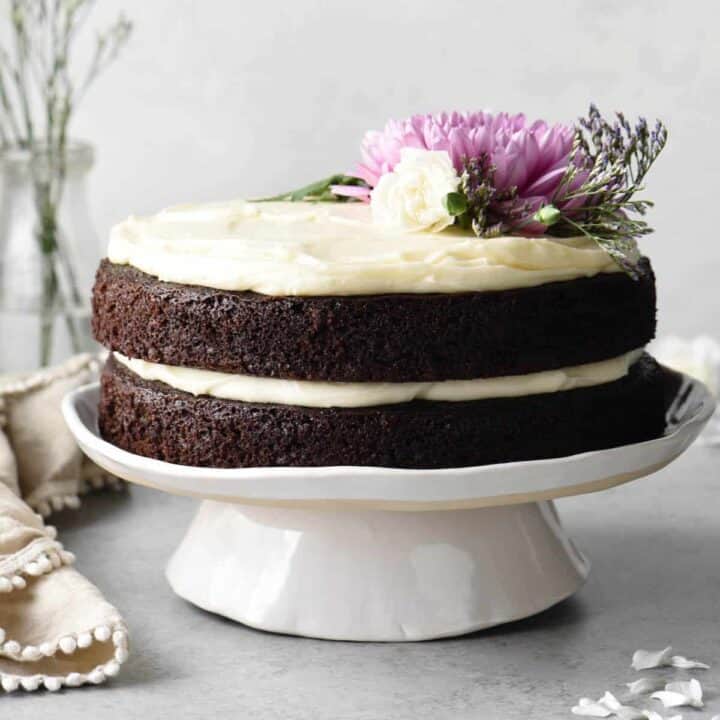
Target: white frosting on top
{"points": [[280, 248], [309, 393]]}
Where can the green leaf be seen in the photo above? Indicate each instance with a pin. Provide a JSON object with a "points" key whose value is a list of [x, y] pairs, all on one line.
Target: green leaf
{"points": [[319, 191], [455, 203]]}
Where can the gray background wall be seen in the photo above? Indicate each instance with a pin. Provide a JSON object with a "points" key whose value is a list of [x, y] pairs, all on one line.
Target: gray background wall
{"points": [[223, 98]]}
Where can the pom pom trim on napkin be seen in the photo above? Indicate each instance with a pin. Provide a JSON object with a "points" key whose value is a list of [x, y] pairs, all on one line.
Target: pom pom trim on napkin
{"points": [[56, 628], [41, 557], [92, 478]]}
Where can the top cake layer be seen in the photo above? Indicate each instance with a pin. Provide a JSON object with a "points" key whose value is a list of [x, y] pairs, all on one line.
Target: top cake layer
{"points": [[381, 338], [334, 249]]}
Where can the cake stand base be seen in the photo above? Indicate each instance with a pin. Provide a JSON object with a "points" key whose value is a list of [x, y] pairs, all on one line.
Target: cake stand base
{"points": [[376, 575]]}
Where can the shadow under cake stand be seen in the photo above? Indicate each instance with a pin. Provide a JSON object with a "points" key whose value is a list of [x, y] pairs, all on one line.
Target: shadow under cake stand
{"points": [[386, 554]]}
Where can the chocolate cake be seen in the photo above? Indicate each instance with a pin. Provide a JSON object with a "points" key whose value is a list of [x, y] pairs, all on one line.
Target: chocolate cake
{"points": [[307, 334]]}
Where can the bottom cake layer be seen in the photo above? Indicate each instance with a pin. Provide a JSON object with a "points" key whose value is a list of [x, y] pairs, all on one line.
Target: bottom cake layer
{"points": [[152, 419]]}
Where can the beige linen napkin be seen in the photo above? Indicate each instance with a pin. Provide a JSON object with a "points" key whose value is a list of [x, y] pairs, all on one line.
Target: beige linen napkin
{"points": [[56, 629]]}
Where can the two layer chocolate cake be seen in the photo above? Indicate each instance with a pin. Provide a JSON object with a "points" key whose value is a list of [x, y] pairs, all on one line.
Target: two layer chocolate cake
{"points": [[310, 333]]}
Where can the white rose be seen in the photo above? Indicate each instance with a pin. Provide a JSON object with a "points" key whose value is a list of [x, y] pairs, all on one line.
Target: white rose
{"points": [[412, 196]]}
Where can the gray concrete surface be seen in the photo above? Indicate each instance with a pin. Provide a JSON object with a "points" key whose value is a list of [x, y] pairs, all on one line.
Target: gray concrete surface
{"points": [[655, 547]]}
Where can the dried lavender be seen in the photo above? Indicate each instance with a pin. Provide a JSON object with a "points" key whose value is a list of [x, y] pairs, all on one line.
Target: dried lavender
{"points": [[490, 212], [608, 165]]}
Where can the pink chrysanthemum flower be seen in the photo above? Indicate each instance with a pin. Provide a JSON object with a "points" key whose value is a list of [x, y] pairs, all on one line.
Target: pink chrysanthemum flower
{"points": [[529, 161]]}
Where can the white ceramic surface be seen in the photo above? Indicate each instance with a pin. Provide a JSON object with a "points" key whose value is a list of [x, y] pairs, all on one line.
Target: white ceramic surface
{"points": [[319, 552], [375, 575], [394, 488]]}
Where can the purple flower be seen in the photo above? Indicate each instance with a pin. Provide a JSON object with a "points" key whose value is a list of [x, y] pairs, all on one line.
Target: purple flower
{"points": [[528, 160]]}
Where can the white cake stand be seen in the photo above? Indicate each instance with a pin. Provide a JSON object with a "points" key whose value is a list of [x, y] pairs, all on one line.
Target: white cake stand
{"points": [[359, 553]]}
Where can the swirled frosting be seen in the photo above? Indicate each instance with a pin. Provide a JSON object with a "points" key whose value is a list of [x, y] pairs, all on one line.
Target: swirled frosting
{"points": [[279, 248], [311, 393]]}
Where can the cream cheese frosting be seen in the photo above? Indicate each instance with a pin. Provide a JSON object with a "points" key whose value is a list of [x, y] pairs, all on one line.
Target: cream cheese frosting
{"points": [[310, 393], [281, 248]]}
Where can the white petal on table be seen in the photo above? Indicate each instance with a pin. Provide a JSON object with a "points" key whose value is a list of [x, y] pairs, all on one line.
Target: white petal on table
{"points": [[652, 715], [610, 701], [624, 712], [644, 686], [679, 661], [671, 699], [692, 688], [591, 708], [678, 694], [647, 659], [606, 706]]}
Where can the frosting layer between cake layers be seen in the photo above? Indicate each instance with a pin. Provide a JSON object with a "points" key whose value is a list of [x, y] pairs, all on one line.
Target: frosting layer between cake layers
{"points": [[303, 249], [307, 393]]}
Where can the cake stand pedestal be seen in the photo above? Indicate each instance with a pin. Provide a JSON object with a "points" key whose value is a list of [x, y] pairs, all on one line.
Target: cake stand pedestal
{"points": [[358, 553], [375, 574]]}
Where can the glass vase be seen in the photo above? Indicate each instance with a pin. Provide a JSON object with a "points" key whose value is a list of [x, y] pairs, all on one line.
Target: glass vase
{"points": [[48, 255]]}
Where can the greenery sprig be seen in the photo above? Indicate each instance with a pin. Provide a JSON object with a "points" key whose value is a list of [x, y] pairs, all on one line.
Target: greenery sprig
{"points": [[596, 197], [320, 191]]}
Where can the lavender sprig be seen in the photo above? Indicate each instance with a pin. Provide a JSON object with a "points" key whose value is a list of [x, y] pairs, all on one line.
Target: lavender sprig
{"points": [[489, 212], [595, 198]]}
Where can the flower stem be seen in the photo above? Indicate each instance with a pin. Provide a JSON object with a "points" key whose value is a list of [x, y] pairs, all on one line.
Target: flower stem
{"points": [[47, 310]]}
